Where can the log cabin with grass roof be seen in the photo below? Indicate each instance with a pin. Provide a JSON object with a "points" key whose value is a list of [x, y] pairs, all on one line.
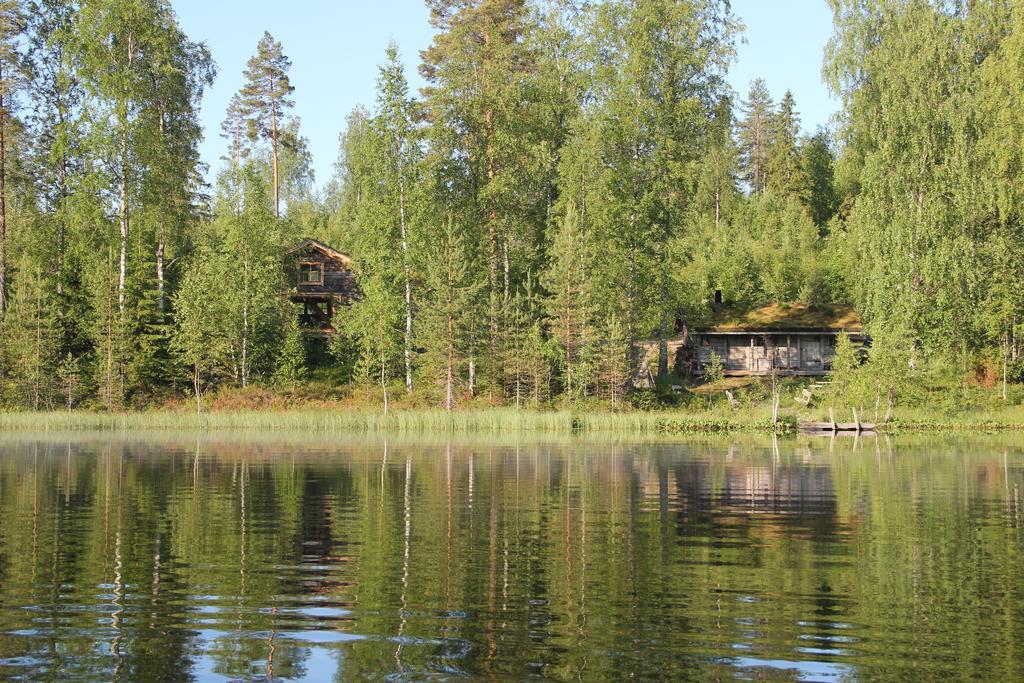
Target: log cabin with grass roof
{"points": [[323, 281], [791, 339]]}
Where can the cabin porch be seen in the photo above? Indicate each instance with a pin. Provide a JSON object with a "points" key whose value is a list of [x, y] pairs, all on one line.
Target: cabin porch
{"points": [[787, 352]]}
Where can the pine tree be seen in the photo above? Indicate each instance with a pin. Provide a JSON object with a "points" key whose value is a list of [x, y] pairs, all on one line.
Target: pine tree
{"points": [[754, 131], [265, 98]]}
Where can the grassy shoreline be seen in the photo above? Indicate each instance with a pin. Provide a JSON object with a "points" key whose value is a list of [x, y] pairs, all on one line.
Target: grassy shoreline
{"points": [[489, 421], [480, 420]]}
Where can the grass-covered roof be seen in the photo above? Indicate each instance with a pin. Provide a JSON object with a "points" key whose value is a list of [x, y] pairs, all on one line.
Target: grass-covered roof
{"points": [[782, 317]]}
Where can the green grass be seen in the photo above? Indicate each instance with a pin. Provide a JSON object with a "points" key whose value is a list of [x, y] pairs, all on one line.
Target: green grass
{"points": [[703, 412], [483, 420]]}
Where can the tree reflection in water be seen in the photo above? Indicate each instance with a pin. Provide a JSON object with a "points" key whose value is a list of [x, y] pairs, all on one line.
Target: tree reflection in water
{"points": [[216, 557]]}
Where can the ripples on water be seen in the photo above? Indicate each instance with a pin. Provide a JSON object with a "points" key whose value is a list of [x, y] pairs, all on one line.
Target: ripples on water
{"points": [[220, 559]]}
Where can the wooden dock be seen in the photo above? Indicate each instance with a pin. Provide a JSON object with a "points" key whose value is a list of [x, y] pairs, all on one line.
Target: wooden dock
{"points": [[834, 427]]}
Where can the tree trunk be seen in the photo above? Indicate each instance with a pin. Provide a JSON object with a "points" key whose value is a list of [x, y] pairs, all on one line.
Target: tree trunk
{"points": [[450, 364], [123, 192], [38, 374], [123, 121], [273, 145], [665, 324], [407, 341], [383, 383], [160, 276], [1006, 354], [195, 386], [449, 368], [245, 322], [3, 201], [492, 215]]}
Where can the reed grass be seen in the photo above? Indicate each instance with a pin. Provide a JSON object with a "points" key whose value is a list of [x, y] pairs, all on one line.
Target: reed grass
{"points": [[313, 420], [483, 421]]}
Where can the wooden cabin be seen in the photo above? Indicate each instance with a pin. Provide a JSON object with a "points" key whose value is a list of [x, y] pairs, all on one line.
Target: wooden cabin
{"points": [[791, 339], [323, 281]]}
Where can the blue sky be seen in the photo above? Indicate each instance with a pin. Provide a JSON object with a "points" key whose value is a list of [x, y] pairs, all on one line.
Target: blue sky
{"points": [[335, 47]]}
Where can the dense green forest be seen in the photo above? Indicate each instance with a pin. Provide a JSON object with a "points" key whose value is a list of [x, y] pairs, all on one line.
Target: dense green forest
{"points": [[572, 179]]}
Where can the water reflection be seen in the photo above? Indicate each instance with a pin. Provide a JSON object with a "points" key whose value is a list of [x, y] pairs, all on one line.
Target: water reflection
{"points": [[223, 559]]}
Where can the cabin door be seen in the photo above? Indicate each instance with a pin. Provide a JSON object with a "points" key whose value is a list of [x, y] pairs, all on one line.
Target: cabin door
{"points": [[739, 355], [810, 353]]}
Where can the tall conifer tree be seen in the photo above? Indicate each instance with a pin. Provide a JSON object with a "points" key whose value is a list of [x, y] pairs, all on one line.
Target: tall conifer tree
{"points": [[265, 98]]}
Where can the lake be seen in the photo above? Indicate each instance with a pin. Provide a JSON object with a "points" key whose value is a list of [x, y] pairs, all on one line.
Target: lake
{"points": [[227, 557]]}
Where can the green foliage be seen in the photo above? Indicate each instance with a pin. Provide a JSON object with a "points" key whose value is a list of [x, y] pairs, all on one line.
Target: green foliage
{"points": [[570, 182], [714, 372], [449, 333], [230, 312], [30, 339], [291, 357]]}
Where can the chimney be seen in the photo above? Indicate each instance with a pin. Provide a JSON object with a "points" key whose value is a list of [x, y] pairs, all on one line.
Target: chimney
{"points": [[718, 296]]}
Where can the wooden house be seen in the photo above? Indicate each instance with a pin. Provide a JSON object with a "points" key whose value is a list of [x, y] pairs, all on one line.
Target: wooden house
{"points": [[323, 280], [791, 339]]}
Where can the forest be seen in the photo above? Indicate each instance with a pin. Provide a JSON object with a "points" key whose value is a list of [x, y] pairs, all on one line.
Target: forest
{"points": [[572, 179]]}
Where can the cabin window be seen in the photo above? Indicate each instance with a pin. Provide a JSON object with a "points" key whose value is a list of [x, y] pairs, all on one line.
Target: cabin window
{"points": [[315, 308], [311, 274]]}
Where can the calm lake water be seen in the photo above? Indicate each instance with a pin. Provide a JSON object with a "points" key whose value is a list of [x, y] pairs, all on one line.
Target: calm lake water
{"points": [[221, 558]]}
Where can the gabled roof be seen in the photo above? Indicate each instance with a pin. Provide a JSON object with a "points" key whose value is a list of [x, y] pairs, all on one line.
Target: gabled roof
{"points": [[781, 317], [327, 251]]}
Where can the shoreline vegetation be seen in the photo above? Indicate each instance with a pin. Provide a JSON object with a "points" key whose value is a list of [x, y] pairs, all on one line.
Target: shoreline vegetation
{"points": [[493, 420]]}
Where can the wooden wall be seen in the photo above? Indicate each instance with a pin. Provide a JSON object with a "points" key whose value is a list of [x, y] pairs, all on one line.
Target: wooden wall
{"points": [[753, 354]]}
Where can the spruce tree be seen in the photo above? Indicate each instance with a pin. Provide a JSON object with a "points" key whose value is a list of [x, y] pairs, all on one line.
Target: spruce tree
{"points": [[817, 163], [31, 337], [783, 176], [568, 306], [451, 313]]}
